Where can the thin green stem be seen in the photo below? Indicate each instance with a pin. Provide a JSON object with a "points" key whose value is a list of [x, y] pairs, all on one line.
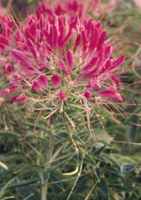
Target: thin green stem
{"points": [[44, 187]]}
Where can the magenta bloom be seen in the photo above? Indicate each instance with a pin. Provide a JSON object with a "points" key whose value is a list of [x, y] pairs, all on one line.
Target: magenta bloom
{"points": [[87, 94], [112, 94], [40, 83], [56, 80], [58, 44], [6, 30], [21, 99], [8, 69], [62, 96]]}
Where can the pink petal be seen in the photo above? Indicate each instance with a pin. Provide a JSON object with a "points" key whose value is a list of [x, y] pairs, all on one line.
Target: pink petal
{"points": [[84, 40], [89, 66], [116, 80], [61, 65], [4, 92], [36, 86], [40, 84], [108, 51], [62, 96], [56, 80], [73, 5], [61, 26], [77, 41], [102, 38], [87, 94], [8, 69], [3, 42], [22, 58], [112, 94], [21, 99], [59, 10], [117, 62], [13, 88], [69, 59], [32, 47]]}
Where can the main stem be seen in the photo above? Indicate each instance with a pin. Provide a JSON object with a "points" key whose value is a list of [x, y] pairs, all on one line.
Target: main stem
{"points": [[44, 188]]}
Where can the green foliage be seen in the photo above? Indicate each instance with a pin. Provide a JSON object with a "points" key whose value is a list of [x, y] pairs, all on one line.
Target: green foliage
{"points": [[37, 153]]}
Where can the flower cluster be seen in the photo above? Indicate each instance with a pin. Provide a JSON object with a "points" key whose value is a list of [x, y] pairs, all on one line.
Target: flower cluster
{"points": [[57, 50], [6, 29]]}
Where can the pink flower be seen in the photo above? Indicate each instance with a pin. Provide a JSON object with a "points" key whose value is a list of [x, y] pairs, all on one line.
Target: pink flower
{"points": [[4, 92], [26, 65], [61, 43], [62, 96], [6, 30], [75, 7], [21, 99], [111, 94], [40, 83], [87, 94], [8, 69], [59, 10], [69, 60], [56, 80]]}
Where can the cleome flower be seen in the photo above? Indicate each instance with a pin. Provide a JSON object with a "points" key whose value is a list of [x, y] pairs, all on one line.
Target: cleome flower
{"points": [[6, 29], [57, 52]]}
